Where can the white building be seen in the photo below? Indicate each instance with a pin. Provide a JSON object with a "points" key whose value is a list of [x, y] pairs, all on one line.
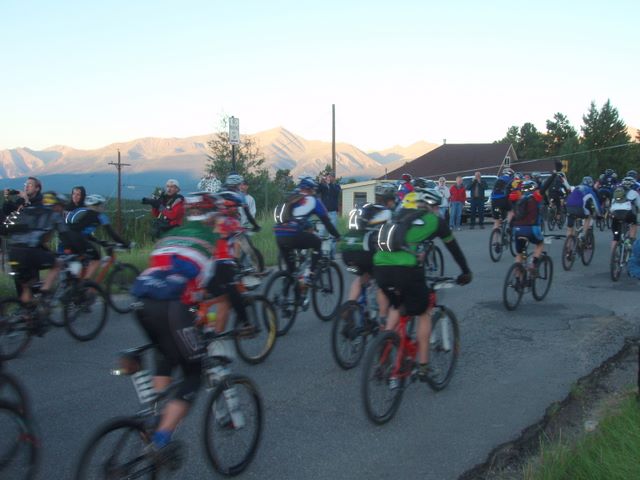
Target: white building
{"points": [[357, 194]]}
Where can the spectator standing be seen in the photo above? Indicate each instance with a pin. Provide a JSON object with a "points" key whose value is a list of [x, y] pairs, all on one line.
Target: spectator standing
{"points": [[477, 199], [167, 209], [458, 195], [330, 195], [31, 195], [446, 194], [251, 203]]}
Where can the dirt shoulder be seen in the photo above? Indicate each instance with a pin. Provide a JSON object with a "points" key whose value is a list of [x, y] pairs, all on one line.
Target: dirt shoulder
{"points": [[569, 419]]}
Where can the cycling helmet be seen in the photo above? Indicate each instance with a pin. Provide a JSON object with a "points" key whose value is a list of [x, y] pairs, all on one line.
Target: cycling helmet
{"points": [[517, 176], [423, 183], [429, 196], [386, 191], [628, 182], [528, 186], [94, 200], [410, 201], [609, 172], [614, 175], [633, 174], [507, 171], [407, 177], [50, 199], [588, 181], [199, 206], [307, 183], [233, 181]]}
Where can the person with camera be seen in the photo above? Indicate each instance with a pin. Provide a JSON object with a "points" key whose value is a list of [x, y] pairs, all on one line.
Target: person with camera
{"points": [[330, 193], [17, 199], [167, 210]]}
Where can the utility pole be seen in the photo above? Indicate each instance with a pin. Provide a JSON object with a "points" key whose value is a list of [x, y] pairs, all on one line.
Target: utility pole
{"points": [[118, 206], [333, 139]]}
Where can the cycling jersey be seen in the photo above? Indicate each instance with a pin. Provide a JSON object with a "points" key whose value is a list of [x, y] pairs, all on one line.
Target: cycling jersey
{"points": [[403, 189], [582, 197], [302, 211]]}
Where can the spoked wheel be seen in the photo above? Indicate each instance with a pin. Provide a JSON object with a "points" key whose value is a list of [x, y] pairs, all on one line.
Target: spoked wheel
{"points": [[615, 264], [118, 287], [562, 218], [233, 425], [19, 448], [444, 348], [118, 450], [348, 340], [551, 218], [381, 393], [15, 331], [514, 285], [434, 262], [569, 252], [282, 292], [326, 291], [542, 281], [255, 339], [495, 244], [85, 314], [588, 247]]}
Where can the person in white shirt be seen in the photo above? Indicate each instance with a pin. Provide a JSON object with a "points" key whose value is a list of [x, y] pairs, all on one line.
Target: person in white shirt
{"points": [[251, 202], [445, 193]]}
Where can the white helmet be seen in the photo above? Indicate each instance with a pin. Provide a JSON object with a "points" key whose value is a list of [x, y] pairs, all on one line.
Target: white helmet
{"points": [[94, 199]]}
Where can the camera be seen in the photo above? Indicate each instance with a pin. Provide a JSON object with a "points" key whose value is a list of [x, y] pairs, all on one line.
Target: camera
{"points": [[11, 191]]}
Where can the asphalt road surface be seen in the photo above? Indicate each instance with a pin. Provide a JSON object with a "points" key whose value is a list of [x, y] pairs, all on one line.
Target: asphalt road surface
{"points": [[512, 366]]}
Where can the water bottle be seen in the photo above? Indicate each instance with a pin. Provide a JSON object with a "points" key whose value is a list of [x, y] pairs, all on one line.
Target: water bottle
{"points": [[231, 397], [212, 316]]}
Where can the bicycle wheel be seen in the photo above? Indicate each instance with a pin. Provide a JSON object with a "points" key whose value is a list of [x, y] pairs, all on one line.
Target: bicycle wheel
{"points": [[542, 281], [117, 450], [512, 242], [562, 218], [19, 450], [495, 244], [56, 316], [118, 287], [615, 264], [444, 348], [551, 218], [347, 338], [434, 262], [569, 252], [85, 313], [382, 394], [513, 288], [231, 436], [588, 247], [326, 291], [255, 339], [282, 292], [15, 331]]}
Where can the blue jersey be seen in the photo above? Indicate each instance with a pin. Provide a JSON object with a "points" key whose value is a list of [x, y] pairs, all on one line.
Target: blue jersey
{"points": [[302, 211]]}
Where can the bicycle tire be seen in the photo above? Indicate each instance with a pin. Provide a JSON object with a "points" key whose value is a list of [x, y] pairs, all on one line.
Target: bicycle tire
{"points": [[377, 373], [118, 287], [615, 265], [56, 316], [327, 293], [514, 283], [586, 253], [433, 262], [444, 348], [85, 312], [542, 281], [132, 440], [19, 446], [219, 427], [551, 218], [348, 342], [255, 341], [15, 331], [569, 252], [282, 291], [512, 242], [495, 244]]}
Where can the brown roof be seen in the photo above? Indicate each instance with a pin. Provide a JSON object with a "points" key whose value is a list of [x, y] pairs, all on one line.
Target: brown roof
{"points": [[450, 160]]}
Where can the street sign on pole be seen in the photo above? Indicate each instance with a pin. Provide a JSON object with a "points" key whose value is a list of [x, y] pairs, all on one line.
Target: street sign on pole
{"points": [[234, 131]]}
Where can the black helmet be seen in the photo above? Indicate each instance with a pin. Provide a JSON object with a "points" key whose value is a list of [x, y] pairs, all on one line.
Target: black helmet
{"points": [[386, 191]]}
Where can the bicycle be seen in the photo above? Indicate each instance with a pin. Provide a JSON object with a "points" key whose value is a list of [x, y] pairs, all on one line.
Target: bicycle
{"points": [[433, 260], [556, 215], [578, 244], [250, 258], [604, 222], [355, 321], [288, 293], [499, 239], [232, 426], [84, 312], [522, 278], [391, 365], [117, 278], [620, 254]]}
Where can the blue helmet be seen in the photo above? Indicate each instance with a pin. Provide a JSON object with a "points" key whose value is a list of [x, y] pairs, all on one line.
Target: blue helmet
{"points": [[308, 183], [588, 181]]}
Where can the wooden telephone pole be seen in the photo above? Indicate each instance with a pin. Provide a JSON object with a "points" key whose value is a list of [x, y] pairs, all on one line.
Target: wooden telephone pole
{"points": [[118, 206]]}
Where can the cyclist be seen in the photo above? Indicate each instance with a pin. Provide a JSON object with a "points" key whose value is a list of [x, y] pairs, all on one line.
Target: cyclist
{"points": [[607, 182], [624, 208], [401, 278], [500, 205], [78, 195], [31, 195], [582, 202], [558, 191], [84, 222], [233, 183], [167, 210], [634, 174], [297, 232], [405, 186]]}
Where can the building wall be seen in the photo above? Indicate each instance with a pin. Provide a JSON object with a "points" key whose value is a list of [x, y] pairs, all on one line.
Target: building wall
{"points": [[350, 193]]}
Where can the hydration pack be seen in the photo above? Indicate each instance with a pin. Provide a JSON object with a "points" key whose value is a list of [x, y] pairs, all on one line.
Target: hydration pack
{"points": [[283, 212], [392, 235]]}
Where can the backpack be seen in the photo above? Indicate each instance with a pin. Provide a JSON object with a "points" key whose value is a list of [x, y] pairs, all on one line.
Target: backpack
{"points": [[623, 205], [392, 235], [159, 283], [620, 195], [283, 212], [500, 186], [521, 207]]}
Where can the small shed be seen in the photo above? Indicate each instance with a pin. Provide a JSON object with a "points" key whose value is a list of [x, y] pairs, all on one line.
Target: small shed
{"points": [[357, 194]]}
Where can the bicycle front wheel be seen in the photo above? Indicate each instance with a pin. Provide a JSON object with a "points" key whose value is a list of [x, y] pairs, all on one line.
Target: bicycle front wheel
{"points": [[85, 313], [381, 391], [15, 333], [19, 449], [117, 450], [444, 348], [434, 262], [569, 252], [326, 291], [347, 337], [615, 264], [588, 247], [513, 287], [551, 218], [255, 339], [233, 425], [118, 287], [495, 244], [542, 281], [282, 291]]}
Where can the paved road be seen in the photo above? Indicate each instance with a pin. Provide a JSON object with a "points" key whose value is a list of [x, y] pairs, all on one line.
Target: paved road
{"points": [[512, 366]]}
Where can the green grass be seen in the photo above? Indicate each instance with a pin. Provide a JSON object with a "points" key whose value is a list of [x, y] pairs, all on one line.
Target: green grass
{"points": [[610, 452]]}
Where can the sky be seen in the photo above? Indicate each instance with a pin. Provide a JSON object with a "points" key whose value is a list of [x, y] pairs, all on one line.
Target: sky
{"points": [[87, 74]]}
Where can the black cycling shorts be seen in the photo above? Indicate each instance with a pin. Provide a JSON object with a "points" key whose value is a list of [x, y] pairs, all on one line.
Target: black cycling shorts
{"points": [[363, 261], [29, 261], [573, 213], [500, 207], [405, 286]]}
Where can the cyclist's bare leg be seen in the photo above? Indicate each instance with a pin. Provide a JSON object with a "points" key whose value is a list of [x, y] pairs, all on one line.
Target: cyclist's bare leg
{"points": [[222, 313], [356, 286], [91, 269], [51, 277], [383, 303], [172, 414], [497, 223], [392, 318], [424, 333]]}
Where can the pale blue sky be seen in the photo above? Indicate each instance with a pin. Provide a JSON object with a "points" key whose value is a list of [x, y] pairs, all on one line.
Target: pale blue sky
{"points": [[86, 74]]}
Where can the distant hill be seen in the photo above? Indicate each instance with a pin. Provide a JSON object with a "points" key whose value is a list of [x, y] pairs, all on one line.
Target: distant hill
{"points": [[398, 153]]}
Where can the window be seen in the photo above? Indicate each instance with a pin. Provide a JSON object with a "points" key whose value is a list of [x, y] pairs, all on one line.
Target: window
{"points": [[359, 199], [507, 161]]}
